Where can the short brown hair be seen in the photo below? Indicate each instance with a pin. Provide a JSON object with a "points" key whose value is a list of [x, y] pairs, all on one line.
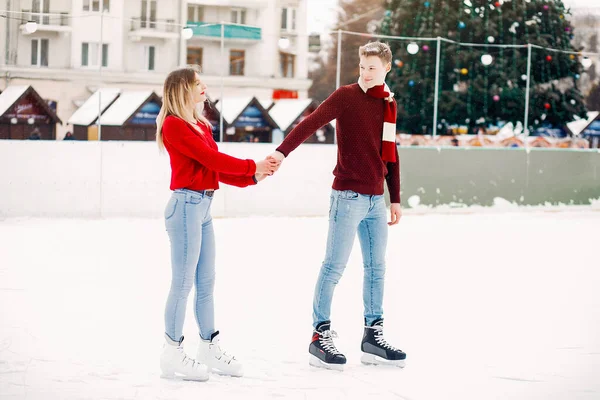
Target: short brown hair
{"points": [[379, 49]]}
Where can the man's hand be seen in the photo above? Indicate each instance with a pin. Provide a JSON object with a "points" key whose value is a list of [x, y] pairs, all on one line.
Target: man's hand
{"points": [[277, 156], [267, 166], [396, 213]]}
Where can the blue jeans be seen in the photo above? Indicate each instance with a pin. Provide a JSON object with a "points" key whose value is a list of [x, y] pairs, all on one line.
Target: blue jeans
{"points": [[189, 225], [349, 213]]}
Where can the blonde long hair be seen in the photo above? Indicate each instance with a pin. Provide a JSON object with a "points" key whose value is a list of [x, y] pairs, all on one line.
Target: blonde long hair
{"points": [[177, 95]]}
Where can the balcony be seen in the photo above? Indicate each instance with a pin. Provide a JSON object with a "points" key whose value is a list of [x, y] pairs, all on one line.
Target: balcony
{"points": [[232, 33], [153, 29], [58, 22]]}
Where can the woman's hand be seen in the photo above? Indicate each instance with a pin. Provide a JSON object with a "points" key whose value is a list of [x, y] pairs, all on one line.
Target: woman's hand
{"points": [[267, 166], [260, 177]]}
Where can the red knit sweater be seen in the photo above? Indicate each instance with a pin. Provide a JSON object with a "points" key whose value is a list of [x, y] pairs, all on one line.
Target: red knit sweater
{"points": [[359, 125], [196, 162]]}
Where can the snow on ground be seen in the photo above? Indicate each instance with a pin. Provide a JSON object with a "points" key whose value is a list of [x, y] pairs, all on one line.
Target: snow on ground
{"points": [[486, 305]]}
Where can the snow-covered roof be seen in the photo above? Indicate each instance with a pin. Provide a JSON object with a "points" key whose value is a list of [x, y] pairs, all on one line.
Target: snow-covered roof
{"points": [[88, 112], [9, 96], [286, 111], [124, 107], [233, 107], [265, 102], [576, 127]]}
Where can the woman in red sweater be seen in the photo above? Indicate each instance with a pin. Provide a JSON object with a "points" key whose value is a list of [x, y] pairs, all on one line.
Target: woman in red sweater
{"points": [[197, 167]]}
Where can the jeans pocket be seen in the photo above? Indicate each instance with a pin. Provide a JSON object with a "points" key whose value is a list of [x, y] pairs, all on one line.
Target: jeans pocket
{"points": [[171, 207], [349, 195], [194, 199], [331, 200]]}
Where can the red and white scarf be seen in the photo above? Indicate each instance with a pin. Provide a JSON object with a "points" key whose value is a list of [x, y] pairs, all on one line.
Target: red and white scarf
{"points": [[388, 137]]}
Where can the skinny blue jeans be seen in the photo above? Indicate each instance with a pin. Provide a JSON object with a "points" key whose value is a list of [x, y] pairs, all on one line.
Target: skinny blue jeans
{"points": [[190, 229], [351, 213]]}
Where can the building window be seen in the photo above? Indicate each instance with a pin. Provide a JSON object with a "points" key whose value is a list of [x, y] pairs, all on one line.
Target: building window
{"points": [[293, 19], [287, 64], [105, 55], [94, 5], [195, 14], [194, 56], [90, 54], [284, 18], [39, 52], [238, 16], [41, 10], [288, 19], [236, 62], [148, 19], [149, 57]]}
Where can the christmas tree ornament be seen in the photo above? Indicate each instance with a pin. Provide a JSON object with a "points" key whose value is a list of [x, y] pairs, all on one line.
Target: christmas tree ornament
{"points": [[586, 62], [486, 59], [412, 48], [547, 106], [464, 71]]}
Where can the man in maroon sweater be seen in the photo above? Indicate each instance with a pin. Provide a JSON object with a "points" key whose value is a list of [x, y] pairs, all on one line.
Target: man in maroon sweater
{"points": [[365, 115]]}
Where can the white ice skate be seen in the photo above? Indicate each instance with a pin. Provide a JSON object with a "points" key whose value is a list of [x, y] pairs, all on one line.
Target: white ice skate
{"points": [[175, 364], [218, 361]]}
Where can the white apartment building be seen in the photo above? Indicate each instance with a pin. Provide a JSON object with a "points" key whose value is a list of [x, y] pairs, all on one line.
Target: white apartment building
{"points": [[586, 21], [133, 44]]}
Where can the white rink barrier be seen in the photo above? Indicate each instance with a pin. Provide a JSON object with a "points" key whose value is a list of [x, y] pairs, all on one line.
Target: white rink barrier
{"points": [[131, 179]]}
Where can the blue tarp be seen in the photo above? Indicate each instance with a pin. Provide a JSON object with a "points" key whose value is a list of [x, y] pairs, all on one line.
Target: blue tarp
{"points": [[593, 129], [548, 130]]}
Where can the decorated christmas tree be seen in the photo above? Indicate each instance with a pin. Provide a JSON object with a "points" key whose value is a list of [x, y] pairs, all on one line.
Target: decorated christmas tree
{"points": [[482, 85]]}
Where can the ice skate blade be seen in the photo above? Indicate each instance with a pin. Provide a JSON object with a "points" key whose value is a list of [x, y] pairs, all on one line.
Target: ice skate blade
{"points": [[372, 359], [178, 377], [234, 374], [315, 362]]}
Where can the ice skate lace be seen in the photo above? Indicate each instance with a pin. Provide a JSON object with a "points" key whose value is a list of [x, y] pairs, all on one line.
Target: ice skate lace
{"points": [[326, 339], [380, 340], [186, 360], [222, 355]]}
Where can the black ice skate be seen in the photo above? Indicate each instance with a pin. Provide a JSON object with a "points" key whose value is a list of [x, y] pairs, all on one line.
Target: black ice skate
{"points": [[376, 350], [322, 350]]}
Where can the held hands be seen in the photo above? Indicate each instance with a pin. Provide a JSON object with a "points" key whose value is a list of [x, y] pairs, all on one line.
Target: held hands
{"points": [[268, 166]]}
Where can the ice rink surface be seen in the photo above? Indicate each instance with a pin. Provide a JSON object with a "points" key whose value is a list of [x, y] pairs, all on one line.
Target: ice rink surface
{"points": [[486, 305]]}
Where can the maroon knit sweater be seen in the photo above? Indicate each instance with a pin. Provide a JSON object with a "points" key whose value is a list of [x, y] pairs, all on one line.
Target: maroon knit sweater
{"points": [[359, 125]]}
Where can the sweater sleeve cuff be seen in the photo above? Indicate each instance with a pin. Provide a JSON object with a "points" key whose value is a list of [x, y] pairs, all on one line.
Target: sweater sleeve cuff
{"points": [[251, 167], [395, 199], [279, 149]]}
